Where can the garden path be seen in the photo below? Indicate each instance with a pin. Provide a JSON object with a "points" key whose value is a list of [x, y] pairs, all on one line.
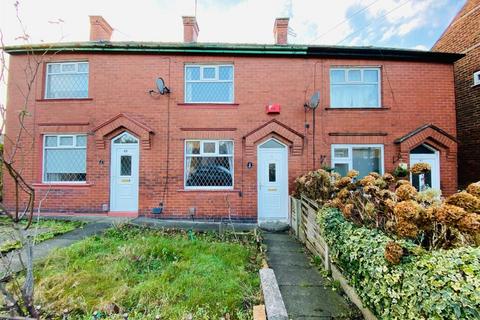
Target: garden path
{"points": [[306, 293]]}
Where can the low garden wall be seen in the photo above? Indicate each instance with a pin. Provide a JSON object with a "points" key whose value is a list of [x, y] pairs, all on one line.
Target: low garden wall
{"points": [[439, 284]]}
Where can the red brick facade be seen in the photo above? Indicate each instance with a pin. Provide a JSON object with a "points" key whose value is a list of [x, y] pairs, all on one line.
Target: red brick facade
{"points": [[463, 36], [413, 94]]}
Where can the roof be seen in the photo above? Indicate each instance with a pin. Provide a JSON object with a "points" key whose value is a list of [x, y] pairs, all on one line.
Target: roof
{"points": [[290, 50]]}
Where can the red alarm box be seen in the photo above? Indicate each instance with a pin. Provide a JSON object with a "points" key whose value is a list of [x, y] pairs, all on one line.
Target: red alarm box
{"points": [[273, 108]]}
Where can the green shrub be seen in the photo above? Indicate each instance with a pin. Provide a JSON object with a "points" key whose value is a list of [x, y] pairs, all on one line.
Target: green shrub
{"points": [[441, 284]]}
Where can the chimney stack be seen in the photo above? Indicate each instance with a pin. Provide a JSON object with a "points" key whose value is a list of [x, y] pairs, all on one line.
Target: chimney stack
{"points": [[280, 30], [100, 30], [190, 29]]}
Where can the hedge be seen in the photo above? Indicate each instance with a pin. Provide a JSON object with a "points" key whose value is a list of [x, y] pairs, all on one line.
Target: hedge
{"points": [[441, 284]]}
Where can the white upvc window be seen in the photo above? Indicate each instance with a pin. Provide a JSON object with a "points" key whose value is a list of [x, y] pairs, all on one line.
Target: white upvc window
{"points": [[476, 78], [364, 158], [208, 164], [209, 83], [355, 88], [66, 80], [65, 158]]}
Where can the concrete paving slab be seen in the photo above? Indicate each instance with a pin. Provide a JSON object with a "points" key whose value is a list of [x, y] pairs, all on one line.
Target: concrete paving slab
{"points": [[305, 291], [194, 225]]}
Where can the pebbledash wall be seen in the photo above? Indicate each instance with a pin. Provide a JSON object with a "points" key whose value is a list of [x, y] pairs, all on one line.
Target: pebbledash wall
{"points": [[417, 106]]}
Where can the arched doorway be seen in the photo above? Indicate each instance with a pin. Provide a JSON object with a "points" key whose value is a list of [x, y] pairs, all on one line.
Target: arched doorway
{"points": [[272, 181], [426, 154], [124, 166]]}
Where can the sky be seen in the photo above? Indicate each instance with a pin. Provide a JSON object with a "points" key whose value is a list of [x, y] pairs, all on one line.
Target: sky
{"points": [[388, 23]]}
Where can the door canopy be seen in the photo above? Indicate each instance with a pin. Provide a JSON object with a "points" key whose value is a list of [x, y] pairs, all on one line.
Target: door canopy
{"points": [[119, 123], [431, 135]]}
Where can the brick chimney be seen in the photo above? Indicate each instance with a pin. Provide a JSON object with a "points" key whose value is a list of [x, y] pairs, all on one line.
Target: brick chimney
{"points": [[280, 30], [190, 29], [100, 30]]}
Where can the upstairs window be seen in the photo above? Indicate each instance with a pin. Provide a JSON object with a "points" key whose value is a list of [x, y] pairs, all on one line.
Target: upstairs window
{"points": [[355, 88], [209, 84], [64, 158], [208, 164], [67, 80], [476, 78]]}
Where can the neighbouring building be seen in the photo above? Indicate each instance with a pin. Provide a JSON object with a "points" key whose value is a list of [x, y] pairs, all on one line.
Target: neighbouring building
{"points": [[463, 36], [231, 131]]}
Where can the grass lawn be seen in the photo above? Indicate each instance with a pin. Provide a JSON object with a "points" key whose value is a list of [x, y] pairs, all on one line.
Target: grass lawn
{"points": [[42, 230], [150, 272]]}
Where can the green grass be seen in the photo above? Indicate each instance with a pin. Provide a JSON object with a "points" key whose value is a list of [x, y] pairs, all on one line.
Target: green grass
{"points": [[51, 229], [150, 272]]}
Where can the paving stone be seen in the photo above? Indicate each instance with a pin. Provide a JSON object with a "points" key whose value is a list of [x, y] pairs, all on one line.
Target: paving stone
{"points": [[302, 286]]}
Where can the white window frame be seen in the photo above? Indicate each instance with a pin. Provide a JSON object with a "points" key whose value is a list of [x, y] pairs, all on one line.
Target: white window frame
{"points": [[74, 146], [216, 79], [212, 155], [361, 69], [349, 160], [76, 63], [476, 78]]}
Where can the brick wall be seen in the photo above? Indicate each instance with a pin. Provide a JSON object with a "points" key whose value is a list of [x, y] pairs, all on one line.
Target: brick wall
{"points": [[463, 36], [413, 94]]}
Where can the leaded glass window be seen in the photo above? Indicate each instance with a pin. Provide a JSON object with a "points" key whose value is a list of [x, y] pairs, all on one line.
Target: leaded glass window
{"points": [[208, 164], [209, 84], [65, 158], [67, 80]]}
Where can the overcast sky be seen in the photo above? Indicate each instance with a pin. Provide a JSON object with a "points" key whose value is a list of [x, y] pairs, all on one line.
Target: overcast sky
{"points": [[397, 23]]}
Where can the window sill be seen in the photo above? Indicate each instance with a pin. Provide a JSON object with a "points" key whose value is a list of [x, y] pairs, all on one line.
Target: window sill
{"points": [[209, 105], [64, 99], [57, 185], [358, 109], [210, 190]]}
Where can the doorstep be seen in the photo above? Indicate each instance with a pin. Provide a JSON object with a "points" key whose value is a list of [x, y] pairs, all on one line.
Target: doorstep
{"points": [[123, 214]]}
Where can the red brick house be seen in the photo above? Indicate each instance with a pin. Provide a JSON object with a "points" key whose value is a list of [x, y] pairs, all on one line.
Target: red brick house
{"points": [[463, 35], [232, 133]]}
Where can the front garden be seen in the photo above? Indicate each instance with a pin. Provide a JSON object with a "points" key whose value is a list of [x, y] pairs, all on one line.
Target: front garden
{"points": [[408, 254], [145, 273]]}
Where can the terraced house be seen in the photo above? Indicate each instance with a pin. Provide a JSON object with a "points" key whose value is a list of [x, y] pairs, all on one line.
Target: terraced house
{"points": [[214, 130]]}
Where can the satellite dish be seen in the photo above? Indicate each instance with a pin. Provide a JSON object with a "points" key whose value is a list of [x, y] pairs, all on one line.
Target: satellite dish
{"points": [[314, 100], [161, 87]]}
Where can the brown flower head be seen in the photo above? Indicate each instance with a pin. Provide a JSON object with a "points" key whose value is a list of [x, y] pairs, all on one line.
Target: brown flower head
{"points": [[367, 180], [376, 175], [470, 223], [401, 183], [406, 229], [420, 167], [347, 210], [379, 182], [390, 204], [406, 192], [474, 189], [393, 252], [343, 182], [343, 194], [465, 200], [371, 189], [449, 214], [386, 194], [352, 173], [408, 210], [388, 177]]}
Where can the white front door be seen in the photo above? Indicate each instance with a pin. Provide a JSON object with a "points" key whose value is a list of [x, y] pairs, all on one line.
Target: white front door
{"points": [[430, 179], [124, 173], [272, 176]]}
